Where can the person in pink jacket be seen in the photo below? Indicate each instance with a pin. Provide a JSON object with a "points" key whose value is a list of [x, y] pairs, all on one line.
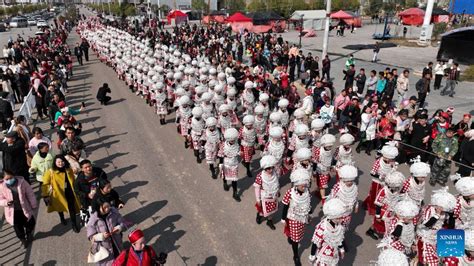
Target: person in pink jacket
{"points": [[17, 196]]}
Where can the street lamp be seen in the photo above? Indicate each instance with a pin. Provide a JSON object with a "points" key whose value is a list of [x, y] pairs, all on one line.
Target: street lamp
{"points": [[301, 27]]}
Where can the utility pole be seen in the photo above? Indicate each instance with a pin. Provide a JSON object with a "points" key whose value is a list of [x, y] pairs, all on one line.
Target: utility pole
{"points": [[326, 29], [426, 29]]}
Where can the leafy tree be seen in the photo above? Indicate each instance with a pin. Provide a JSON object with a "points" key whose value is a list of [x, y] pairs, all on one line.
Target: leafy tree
{"points": [[374, 7], [317, 4], [199, 5], [345, 5], [235, 5], [256, 5], [411, 3]]}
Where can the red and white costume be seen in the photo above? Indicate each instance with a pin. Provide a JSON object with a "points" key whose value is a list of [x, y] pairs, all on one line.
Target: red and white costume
{"points": [[275, 146], [323, 158], [267, 188], [206, 105], [464, 210], [299, 119], [184, 114], [247, 138], [380, 169], [328, 236], [343, 153], [300, 138], [231, 154], [260, 126], [282, 109], [347, 194], [197, 128], [412, 186], [247, 98], [212, 139], [299, 205], [401, 235]]}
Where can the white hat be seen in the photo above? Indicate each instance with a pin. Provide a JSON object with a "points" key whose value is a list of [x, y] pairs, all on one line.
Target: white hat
{"points": [[248, 84], [303, 154], [283, 103], [203, 78], [348, 172], [219, 88], [407, 208], [221, 76], [203, 70], [212, 71], [465, 186], [346, 139], [212, 83], [469, 239], [179, 91], [328, 140], [184, 100], [231, 92], [301, 129], [197, 111], [169, 75], [389, 152], [420, 169], [259, 109], [299, 113], [300, 177], [231, 80], [200, 90], [185, 83], [392, 257], [394, 179], [206, 96], [275, 117], [263, 97], [231, 134], [248, 120], [276, 132], [224, 108], [178, 75], [317, 124], [159, 85], [443, 199], [211, 122], [268, 161], [334, 208]]}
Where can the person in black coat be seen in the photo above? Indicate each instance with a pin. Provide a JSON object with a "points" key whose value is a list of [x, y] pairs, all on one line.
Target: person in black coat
{"points": [[106, 193], [86, 184], [360, 81], [102, 94], [467, 154], [14, 155], [78, 53], [6, 111], [349, 76]]}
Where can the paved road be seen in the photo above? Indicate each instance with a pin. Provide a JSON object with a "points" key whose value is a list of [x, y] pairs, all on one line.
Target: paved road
{"points": [[181, 209]]}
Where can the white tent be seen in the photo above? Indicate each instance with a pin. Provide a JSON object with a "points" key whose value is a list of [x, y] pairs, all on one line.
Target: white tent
{"points": [[312, 19]]}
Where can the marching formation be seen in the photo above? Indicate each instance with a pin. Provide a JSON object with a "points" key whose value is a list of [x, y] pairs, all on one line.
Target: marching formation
{"points": [[228, 121]]}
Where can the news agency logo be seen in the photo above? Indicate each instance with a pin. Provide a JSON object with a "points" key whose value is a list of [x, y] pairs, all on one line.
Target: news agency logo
{"points": [[450, 243]]}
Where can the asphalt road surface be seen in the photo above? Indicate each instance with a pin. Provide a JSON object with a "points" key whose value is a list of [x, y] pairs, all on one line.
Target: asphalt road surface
{"points": [[172, 198]]}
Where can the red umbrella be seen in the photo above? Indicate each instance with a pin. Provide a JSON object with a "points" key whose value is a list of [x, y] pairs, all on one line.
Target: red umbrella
{"points": [[341, 15], [238, 17]]}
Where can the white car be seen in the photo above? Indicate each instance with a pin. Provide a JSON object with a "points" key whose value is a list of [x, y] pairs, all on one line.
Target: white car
{"points": [[42, 23], [31, 22]]}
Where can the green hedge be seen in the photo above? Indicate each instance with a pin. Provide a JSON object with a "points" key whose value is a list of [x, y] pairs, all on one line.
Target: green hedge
{"points": [[18, 9], [116, 9]]}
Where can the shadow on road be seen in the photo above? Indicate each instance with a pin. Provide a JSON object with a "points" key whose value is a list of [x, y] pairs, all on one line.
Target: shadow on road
{"points": [[210, 261], [145, 212], [168, 234], [120, 171]]}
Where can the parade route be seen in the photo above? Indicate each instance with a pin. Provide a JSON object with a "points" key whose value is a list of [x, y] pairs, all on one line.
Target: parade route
{"points": [[174, 200]]}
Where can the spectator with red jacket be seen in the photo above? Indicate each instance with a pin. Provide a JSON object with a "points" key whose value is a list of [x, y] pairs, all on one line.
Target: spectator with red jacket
{"points": [[139, 253]]}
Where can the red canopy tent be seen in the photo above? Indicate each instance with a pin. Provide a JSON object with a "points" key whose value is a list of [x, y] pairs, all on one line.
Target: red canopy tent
{"points": [[177, 16], [412, 16], [341, 15], [238, 17]]}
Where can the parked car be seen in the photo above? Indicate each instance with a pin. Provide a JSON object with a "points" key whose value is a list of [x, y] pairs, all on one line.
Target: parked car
{"points": [[42, 23], [19, 22], [31, 22]]}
